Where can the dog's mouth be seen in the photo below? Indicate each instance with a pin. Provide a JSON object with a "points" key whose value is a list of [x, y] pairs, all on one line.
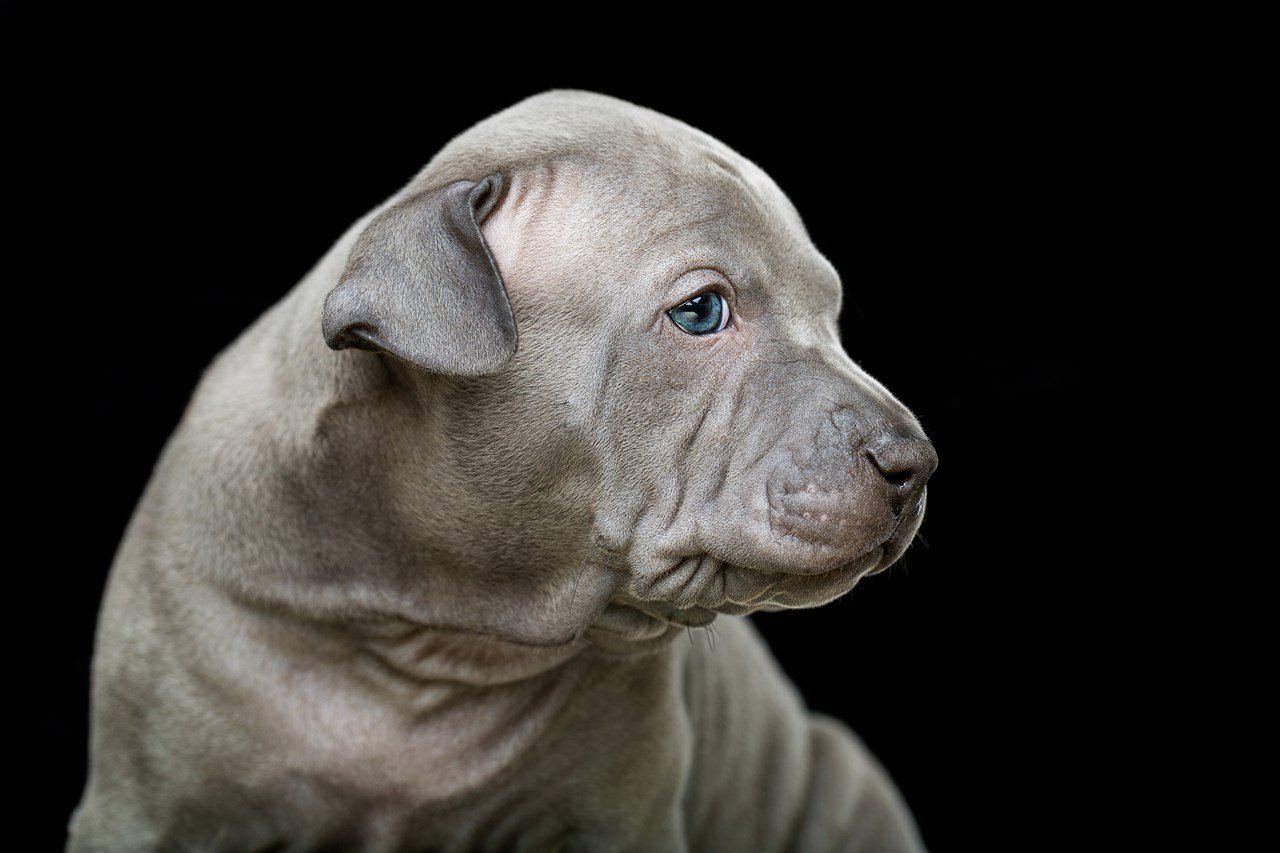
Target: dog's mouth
{"points": [[641, 623], [628, 624], [689, 591], [710, 587]]}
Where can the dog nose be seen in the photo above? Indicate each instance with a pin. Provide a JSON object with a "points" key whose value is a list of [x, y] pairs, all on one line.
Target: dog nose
{"points": [[905, 463]]}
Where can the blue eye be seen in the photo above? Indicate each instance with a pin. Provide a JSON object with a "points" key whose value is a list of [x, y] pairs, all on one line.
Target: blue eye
{"points": [[704, 314]]}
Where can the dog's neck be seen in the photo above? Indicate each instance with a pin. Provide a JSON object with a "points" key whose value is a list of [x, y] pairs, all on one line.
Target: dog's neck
{"points": [[376, 706], [419, 662]]}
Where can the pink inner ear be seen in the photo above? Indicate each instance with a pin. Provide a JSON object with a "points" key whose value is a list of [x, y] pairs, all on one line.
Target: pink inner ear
{"points": [[501, 232], [544, 209]]}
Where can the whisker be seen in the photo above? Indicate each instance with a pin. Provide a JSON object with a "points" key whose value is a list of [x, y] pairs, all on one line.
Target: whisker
{"points": [[574, 597]]}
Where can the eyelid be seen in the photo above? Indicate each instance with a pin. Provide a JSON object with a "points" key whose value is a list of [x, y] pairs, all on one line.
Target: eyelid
{"points": [[705, 279], [720, 287]]}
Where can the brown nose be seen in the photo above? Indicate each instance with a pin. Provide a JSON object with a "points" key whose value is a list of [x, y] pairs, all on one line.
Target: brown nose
{"points": [[905, 463]]}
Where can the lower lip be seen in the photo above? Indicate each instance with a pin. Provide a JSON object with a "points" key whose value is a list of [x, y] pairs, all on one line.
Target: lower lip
{"points": [[631, 623]]}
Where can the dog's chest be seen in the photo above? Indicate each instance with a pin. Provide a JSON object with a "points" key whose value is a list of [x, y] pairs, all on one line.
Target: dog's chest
{"points": [[592, 752]]}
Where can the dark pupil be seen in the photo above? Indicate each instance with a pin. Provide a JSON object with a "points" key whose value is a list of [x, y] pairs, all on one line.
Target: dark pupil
{"points": [[699, 315]]}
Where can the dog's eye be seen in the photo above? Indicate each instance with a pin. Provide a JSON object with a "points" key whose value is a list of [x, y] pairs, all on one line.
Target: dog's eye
{"points": [[704, 314]]}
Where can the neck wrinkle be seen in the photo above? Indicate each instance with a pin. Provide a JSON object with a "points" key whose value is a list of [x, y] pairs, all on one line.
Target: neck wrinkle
{"points": [[420, 655]]}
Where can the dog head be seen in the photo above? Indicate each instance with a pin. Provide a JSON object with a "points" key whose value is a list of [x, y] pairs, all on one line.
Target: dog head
{"points": [[635, 409]]}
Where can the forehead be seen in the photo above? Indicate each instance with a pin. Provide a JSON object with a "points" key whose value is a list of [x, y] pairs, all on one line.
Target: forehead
{"points": [[637, 223]]}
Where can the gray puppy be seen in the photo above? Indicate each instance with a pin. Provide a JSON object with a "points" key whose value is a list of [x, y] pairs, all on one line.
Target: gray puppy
{"points": [[409, 575]]}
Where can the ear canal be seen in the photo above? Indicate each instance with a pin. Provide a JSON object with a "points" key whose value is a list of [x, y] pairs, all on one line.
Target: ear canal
{"points": [[421, 285]]}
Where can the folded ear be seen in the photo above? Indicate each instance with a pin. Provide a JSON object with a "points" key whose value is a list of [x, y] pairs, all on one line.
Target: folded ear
{"points": [[421, 285]]}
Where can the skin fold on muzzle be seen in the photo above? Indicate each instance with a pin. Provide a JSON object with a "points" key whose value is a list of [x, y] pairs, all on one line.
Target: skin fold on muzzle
{"points": [[409, 574]]}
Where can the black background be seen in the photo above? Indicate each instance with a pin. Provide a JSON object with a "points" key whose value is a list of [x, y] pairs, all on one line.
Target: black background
{"points": [[164, 191]]}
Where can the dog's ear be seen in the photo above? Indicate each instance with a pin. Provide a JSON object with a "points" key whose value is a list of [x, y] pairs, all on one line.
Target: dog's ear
{"points": [[421, 284]]}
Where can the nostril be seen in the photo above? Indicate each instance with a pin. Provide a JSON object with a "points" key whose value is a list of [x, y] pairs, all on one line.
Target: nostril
{"points": [[904, 462], [897, 478]]}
